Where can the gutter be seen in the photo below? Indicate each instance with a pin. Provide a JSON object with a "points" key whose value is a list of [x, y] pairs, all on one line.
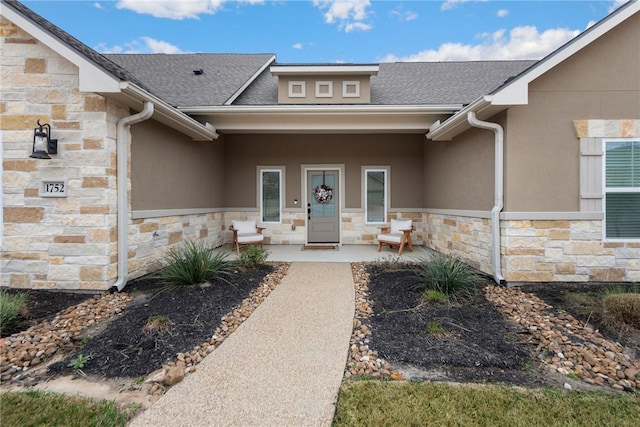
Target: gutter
{"points": [[438, 131], [122, 138], [189, 126], [314, 109], [498, 193]]}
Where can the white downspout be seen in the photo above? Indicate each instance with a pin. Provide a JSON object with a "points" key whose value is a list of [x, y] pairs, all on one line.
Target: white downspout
{"points": [[499, 190], [122, 140]]}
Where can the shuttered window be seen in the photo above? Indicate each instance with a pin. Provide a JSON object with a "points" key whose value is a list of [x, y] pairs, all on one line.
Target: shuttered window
{"points": [[622, 189]]}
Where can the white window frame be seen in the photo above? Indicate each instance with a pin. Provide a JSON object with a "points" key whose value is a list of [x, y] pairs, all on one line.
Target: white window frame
{"points": [[606, 190], [328, 84], [347, 83], [303, 89], [387, 192], [281, 172]]}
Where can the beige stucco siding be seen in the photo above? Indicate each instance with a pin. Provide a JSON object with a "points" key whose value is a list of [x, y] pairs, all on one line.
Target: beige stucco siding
{"points": [[403, 153], [459, 173], [337, 94], [171, 171], [542, 150]]}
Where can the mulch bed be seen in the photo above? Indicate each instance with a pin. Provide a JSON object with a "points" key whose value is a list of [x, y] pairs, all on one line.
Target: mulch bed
{"points": [[125, 349], [584, 302], [473, 344], [41, 306]]}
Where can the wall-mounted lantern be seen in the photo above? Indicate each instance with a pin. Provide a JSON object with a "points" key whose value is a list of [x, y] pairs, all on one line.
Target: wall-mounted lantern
{"points": [[43, 145]]}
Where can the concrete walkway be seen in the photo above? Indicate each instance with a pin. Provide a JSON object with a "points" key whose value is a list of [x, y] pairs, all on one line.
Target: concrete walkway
{"points": [[282, 367]]}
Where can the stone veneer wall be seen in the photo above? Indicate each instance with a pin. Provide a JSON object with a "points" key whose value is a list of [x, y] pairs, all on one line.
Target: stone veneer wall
{"points": [[565, 251], [466, 237], [63, 243], [354, 229], [150, 238]]}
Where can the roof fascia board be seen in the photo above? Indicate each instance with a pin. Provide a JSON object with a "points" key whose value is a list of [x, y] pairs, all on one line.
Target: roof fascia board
{"points": [[249, 81], [448, 129], [92, 78], [324, 109], [284, 70], [169, 115], [516, 92], [289, 123]]}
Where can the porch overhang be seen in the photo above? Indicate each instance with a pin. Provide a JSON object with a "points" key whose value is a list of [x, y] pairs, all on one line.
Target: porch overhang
{"points": [[323, 119]]}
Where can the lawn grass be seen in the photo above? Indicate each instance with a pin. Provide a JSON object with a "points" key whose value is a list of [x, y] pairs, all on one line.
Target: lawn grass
{"points": [[375, 403], [37, 408]]}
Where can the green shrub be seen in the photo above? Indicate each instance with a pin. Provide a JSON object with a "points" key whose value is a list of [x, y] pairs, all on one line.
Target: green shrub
{"points": [[194, 263], [446, 274], [621, 309], [253, 256], [432, 295], [10, 306]]}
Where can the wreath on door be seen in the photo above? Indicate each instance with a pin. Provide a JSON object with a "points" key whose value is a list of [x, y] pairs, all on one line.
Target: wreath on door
{"points": [[323, 193]]}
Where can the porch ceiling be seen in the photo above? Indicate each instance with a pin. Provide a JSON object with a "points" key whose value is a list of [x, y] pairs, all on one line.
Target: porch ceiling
{"points": [[315, 119]]}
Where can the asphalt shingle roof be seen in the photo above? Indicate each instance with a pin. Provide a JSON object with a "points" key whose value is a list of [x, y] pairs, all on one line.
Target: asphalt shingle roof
{"points": [[414, 83], [76, 44], [171, 76]]}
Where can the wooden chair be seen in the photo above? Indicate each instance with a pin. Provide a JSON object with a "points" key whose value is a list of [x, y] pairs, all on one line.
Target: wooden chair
{"points": [[246, 233], [397, 234]]}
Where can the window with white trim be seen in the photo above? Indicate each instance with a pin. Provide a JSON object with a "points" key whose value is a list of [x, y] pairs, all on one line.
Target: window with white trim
{"points": [[376, 195], [271, 191], [350, 89], [622, 189], [324, 89], [297, 89]]}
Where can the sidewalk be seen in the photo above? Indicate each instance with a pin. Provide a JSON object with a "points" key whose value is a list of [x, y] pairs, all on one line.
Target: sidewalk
{"points": [[281, 367]]}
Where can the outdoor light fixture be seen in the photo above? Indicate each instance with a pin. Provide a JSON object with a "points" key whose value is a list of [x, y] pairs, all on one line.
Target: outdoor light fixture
{"points": [[43, 145]]}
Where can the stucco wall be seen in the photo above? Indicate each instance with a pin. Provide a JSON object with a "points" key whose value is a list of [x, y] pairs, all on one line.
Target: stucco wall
{"points": [[459, 174], [171, 171], [404, 153], [542, 151]]}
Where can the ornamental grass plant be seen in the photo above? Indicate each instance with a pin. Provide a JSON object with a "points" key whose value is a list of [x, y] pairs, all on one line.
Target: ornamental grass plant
{"points": [[446, 274], [194, 263], [10, 307]]}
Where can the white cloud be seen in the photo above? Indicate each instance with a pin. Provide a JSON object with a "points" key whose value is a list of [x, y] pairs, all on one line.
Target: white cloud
{"points": [[348, 14], [177, 9], [297, 46], [502, 13], [356, 26], [519, 43], [141, 45], [452, 4], [98, 6], [404, 16]]}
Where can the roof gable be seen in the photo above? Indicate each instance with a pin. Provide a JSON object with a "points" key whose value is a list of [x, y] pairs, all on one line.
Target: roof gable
{"points": [[97, 73], [515, 92], [186, 80]]}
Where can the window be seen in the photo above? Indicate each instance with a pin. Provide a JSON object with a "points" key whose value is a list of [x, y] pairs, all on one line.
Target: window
{"points": [[297, 89], [622, 189], [324, 89], [351, 89], [375, 194], [271, 195]]}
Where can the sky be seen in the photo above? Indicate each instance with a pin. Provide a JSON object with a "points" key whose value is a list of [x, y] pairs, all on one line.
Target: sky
{"points": [[329, 31]]}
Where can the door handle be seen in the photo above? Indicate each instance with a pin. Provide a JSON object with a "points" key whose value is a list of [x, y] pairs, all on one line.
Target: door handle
{"points": [[309, 213]]}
